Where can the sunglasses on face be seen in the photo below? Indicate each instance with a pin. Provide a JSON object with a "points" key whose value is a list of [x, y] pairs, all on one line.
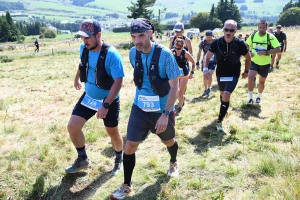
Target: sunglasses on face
{"points": [[229, 30], [177, 48]]}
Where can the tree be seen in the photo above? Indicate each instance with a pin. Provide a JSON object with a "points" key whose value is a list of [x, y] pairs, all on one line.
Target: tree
{"points": [[290, 4], [212, 11], [228, 10], [13, 32], [290, 17], [203, 21], [139, 9]]}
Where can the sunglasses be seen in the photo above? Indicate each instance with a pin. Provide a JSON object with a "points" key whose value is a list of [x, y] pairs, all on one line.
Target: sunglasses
{"points": [[229, 30], [177, 48]]}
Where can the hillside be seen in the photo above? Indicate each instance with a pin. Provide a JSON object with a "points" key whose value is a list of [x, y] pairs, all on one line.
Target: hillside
{"points": [[66, 11]]}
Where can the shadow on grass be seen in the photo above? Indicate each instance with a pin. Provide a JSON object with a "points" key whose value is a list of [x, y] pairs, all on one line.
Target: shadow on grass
{"points": [[208, 137], [62, 191], [249, 111], [150, 192]]}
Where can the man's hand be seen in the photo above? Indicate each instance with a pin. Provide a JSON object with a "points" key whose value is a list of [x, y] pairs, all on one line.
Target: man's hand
{"points": [[102, 112], [77, 85], [162, 123], [244, 75]]}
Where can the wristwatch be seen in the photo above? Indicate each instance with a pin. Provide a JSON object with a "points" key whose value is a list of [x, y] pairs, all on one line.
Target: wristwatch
{"points": [[167, 112], [192, 72], [267, 52], [246, 71], [197, 63], [105, 105]]}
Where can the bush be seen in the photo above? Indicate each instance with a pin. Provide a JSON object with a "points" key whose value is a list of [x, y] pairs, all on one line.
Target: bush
{"points": [[21, 39], [50, 34], [11, 47]]}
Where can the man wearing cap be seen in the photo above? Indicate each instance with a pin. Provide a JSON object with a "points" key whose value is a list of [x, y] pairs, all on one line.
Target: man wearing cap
{"points": [[152, 110], [179, 30], [281, 37], [101, 95], [205, 45]]}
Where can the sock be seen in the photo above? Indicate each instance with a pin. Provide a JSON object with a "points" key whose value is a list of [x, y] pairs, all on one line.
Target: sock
{"points": [[173, 151], [128, 164], [223, 110], [258, 95], [118, 154], [250, 94], [81, 152]]}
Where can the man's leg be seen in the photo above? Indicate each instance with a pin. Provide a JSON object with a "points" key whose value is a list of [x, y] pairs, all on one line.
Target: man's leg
{"points": [[251, 76], [278, 59], [273, 56], [172, 147], [261, 88], [182, 89], [75, 126]]}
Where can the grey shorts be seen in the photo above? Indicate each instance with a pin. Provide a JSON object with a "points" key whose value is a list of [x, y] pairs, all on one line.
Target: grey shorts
{"points": [[262, 70], [141, 123]]}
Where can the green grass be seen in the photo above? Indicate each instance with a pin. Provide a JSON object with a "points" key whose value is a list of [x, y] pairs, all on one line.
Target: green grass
{"points": [[256, 158]]}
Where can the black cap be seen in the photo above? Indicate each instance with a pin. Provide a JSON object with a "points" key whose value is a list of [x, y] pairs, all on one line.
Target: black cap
{"points": [[89, 27], [141, 25]]}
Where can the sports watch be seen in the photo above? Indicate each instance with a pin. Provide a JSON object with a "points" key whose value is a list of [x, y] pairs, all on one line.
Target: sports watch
{"points": [[167, 112], [105, 105]]}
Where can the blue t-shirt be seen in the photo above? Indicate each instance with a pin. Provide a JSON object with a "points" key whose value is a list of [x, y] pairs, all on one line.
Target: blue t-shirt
{"points": [[168, 68], [113, 65]]}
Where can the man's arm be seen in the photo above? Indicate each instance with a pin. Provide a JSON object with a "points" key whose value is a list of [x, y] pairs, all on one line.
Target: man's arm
{"points": [[247, 65], [77, 84], [206, 59], [285, 44], [171, 40], [198, 58], [189, 45]]}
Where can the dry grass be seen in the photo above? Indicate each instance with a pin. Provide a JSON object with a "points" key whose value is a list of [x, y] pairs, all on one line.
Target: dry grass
{"points": [[256, 158]]}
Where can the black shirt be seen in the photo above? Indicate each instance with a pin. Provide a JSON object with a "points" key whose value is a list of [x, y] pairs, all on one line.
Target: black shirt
{"points": [[226, 68], [280, 36]]}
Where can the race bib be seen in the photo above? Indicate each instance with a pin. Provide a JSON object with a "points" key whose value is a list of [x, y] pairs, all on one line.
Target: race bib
{"points": [[223, 79], [149, 103], [91, 103]]}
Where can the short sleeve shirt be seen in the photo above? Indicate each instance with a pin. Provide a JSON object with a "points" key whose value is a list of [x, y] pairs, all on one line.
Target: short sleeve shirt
{"points": [[260, 42], [113, 66], [226, 68], [168, 68], [204, 45]]}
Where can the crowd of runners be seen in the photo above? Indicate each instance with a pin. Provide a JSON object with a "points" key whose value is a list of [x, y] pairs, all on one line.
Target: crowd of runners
{"points": [[161, 77]]}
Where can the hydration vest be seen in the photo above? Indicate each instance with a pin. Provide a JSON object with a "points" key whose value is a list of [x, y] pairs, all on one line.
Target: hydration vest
{"points": [[269, 46], [102, 79], [228, 52], [182, 62], [160, 86]]}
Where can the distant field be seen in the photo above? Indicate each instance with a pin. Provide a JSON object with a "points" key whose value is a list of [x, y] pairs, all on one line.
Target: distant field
{"points": [[63, 10]]}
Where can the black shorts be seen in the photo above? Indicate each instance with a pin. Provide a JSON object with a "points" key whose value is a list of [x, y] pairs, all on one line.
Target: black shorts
{"points": [[211, 66], [227, 86], [111, 119], [262, 70], [281, 47], [141, 122]]}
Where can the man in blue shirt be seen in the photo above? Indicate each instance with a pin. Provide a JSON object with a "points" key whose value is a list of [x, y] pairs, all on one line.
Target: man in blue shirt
{"points": [[152, 110], [98, 98]]}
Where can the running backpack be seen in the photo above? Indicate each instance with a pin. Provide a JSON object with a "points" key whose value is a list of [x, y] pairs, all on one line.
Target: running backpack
{"points": [[269, 46], [102, 79], [160, 86]]}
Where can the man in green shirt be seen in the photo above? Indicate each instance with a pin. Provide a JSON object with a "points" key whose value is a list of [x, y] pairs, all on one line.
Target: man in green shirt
{"points": [[261, 46]]}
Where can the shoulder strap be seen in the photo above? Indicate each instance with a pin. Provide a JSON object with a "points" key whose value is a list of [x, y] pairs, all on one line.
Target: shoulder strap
{"points": [[138, 58], [156, 55], [252, 35], [204, 43], [102, 56], [85, 56]]}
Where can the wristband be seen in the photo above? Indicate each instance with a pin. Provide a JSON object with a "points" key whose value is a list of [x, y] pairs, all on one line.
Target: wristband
{"points": [[205, 69], [246, 71], [197, 63], [267, 52]]}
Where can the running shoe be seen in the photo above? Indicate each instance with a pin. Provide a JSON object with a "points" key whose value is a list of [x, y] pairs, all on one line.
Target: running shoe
{"points": [[250, 102], [118, 166], [219, 126], [257, 100], [123, 192], [78, 165], [173, 169]]}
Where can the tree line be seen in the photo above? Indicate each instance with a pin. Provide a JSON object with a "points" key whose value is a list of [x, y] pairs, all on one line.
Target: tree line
{"points": [[290, 14]]}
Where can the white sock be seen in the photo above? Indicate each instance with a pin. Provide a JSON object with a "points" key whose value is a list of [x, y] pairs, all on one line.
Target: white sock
{"points": [[258, 95], [251, 94]]}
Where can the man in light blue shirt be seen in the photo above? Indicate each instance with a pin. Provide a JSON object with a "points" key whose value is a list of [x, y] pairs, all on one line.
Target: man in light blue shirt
{"points": [[156, 78]]}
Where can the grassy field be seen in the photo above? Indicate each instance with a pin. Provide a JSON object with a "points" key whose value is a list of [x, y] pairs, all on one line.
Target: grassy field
{"points": [[256, 158]]}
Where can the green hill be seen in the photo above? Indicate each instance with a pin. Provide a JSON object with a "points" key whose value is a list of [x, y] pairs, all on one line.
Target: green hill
{"points": [[60, 10]]}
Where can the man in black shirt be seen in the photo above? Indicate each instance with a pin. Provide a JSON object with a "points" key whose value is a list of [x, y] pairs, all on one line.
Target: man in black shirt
{"points": [[281, 37], [228, 49]]}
